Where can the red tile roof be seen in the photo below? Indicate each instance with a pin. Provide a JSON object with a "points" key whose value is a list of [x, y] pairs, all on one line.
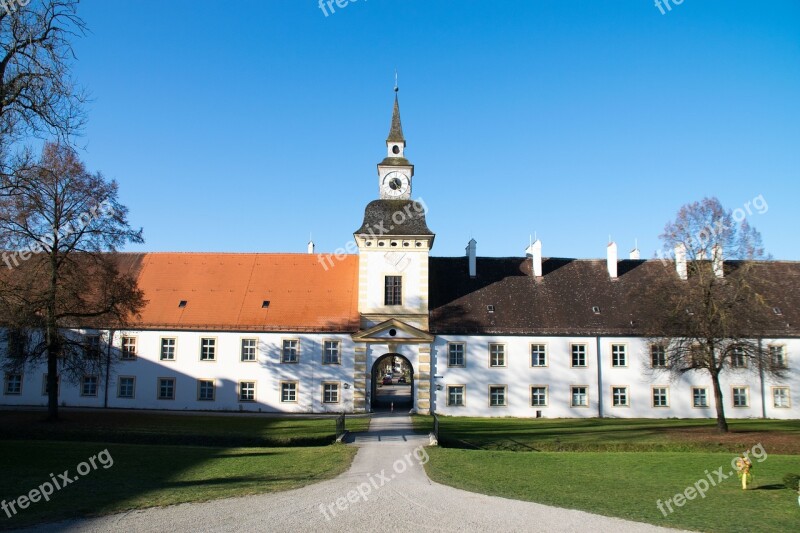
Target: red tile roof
{"points": [[226, 291]]}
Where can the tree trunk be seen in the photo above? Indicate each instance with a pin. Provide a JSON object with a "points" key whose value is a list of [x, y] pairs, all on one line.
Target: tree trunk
{"points": [[722, 423], [53, 343]]}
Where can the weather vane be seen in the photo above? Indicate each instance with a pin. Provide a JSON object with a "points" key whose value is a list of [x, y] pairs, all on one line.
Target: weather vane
{"points": [[395, 81]]}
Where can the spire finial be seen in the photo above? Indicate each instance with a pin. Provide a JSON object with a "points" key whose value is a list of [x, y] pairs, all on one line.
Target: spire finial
{"points": [[396, 88]]}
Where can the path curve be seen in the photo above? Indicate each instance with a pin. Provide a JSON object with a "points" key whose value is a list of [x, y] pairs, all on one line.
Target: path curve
{"points": [[386, 489]]}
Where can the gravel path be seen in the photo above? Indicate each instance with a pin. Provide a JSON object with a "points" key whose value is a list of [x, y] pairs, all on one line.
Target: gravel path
{"points": [[386, 489]]}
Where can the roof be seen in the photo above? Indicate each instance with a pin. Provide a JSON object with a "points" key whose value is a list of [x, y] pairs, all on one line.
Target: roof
{"points": [[396, 129], [561, 302], [227, 291], [394, 217]]}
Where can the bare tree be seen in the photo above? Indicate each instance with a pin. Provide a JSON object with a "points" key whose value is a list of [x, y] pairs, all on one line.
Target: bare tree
{"points": [[710, 314], [64, 225], [37, 94]]}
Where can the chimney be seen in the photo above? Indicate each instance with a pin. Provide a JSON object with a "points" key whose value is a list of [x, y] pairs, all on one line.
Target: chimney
{"points": [[310, 247], [635, 254], [471, 251], [680, 261], [535, 252], [717, 261], [611, 252]]}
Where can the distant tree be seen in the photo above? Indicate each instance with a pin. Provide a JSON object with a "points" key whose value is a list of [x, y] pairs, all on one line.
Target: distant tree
{"points": [[709, 322], [60, 227]]}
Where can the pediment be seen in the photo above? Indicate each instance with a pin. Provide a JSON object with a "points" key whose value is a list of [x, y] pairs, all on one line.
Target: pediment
{"points": [[393, 330]]}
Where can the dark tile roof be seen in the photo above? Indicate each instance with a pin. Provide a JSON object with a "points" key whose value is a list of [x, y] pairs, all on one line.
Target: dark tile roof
{"points": [[394, 217], [561, 301]]}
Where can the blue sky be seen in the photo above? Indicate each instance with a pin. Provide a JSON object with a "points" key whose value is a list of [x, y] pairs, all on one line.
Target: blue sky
{"points": [[246, 126]]}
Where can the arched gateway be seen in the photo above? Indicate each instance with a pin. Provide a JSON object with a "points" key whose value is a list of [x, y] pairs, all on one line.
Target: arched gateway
{"points": [[392, 379]]}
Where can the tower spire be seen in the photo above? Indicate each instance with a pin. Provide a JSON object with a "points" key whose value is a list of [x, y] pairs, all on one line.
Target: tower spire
{"points": [[396, 130]]}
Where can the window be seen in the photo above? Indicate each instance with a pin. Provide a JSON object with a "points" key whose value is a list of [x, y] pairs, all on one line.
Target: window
{"points": [[166, 388], [249, 350], [167, 349], [538, 396], [697, 355], [777, 356], [619, 355], [13, 385], [660, 397], [738, 357], [330, 393], [455, 395], [289, 352], [580, 396], [16, 341], [780, 397], [208, 349], [205, 390], [455, 354], [578, 355], [128, 348], [497, 395], [741, 396], [289, 391], [538, 355], [89, 386], [658, 356], [497, 354], [46, 388], [394, 290], [699, 397], [619, 396], [247, 391], [92, 346], [126, 387], [330, 353]]}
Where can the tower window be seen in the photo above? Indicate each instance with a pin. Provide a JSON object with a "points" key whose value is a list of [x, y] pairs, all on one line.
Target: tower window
{"points": [[394, 290], [395, 149]]}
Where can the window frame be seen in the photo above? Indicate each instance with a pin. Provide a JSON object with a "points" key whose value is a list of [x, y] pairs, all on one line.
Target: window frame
{"points": [[544, 355], [746, 396], [546, 395], [174, 348], [213, 348], [572, 403], [653, 396], [504, 352], [296, 351], [397, 291], [338, 389], [242, 347], [705, 397], [572, 347], [788, 397], [90, 350], [240, 390], [624, 355], [738, 355], [627, 392], [498, 386], [133, 388], [174, 388], [463, 388], [663, 355], [84, 381], [296, 391], [784, 356], [463, 346], [127, 354], [7, 381], [206, 381], [338, 344]]}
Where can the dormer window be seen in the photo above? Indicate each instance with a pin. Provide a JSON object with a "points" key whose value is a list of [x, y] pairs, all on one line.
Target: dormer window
{"points": [[490, 308], [595, 310], [182, 304], [265, 304]]}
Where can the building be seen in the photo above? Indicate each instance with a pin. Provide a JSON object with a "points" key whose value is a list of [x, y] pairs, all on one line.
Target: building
{"points": [[519, 336]]}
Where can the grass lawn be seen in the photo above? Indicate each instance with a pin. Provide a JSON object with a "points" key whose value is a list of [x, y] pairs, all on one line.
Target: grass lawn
{"points": [[150, 475], [162, 428], [161, 459], [627, 485], [607, 435], [622, 468]]}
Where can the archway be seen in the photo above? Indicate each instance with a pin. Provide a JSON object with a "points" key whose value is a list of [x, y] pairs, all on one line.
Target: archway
{"points": [[392, 383]]}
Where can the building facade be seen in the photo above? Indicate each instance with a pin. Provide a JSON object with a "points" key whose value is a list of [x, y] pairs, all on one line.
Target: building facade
{"points": [[306, 333]]}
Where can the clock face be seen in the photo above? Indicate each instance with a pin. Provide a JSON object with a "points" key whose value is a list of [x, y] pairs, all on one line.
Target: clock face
{"points": [[395, 184]]}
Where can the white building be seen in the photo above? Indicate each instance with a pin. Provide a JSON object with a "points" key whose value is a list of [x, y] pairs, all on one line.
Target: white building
{"points": [[520, 336]]}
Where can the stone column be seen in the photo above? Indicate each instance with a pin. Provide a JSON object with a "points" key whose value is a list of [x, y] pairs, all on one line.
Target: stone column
{"points": [[423, 380], [360, 379]]}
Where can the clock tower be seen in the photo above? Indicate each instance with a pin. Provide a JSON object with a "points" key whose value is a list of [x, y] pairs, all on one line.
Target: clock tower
{"points": [[395, 172]]}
